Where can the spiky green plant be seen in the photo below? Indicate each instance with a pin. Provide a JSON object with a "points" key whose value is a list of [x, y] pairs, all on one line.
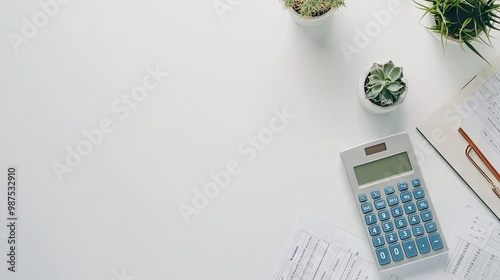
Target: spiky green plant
{"points": [[384, 84], [312, 8], [462, 20]]}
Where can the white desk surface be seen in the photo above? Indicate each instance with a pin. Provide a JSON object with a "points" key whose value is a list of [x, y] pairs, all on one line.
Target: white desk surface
{"points": [[118, 210]]}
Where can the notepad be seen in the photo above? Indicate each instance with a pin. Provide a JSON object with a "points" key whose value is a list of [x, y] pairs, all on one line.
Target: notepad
{"points": [[469, 140]]}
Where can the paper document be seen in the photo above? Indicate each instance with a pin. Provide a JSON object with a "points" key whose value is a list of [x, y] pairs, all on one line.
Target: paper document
{"points": [[474, 249], [319, 250], [482, 122]]}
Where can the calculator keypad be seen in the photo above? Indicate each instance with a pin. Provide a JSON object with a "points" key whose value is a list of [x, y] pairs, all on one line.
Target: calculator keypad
{"points": [[400, 222]]}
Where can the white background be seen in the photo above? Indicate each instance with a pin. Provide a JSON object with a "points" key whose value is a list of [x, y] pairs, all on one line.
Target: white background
{"points": [[119, 209]]}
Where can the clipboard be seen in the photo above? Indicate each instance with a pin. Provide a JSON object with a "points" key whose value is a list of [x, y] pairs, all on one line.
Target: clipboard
{"points": [[453, 143]]}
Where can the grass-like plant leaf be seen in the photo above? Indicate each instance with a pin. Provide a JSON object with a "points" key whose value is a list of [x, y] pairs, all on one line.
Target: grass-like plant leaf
{"points": [[462, 20]]}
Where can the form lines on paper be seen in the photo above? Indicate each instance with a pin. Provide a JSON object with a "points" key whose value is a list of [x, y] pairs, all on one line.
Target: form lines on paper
{"points": [[348, 261], [322, 258]]}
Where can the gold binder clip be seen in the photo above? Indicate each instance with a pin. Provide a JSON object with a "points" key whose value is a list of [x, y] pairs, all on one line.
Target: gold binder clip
{"points": [[472, 147]]}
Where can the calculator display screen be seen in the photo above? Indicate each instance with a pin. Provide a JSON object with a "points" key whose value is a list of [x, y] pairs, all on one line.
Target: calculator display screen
{"points": [[382, 168]]}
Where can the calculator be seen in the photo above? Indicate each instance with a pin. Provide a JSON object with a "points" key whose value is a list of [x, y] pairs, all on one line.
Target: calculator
{"points": [[393, 202]]}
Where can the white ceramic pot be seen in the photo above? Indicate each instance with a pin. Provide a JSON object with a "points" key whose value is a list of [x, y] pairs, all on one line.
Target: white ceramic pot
{"points": [[309, 22], [370, 106]]}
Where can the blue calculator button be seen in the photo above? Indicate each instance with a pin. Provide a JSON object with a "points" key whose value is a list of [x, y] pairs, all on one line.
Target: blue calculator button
{"points": [[374, 230], [388, 226], [430, 227], [406, 196], [436, 242], [414, 219], [366, 207], [380, 204], [410, 248], [362, 197], [423, 245], [418, 230], [416, 182], [384, 215], [389, 190], [383, 256], [375, 194], [396, 211], [410, 208], [370, 219], [378, 241], [418, 193], [402, 186], [404, 234], [422, 204], [401, 223], [396, 252], [426, 215], [392, 200], [391, 237]]}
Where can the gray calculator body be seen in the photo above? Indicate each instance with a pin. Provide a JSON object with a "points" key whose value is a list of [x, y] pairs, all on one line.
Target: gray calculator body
{"points": [[393, 202]]}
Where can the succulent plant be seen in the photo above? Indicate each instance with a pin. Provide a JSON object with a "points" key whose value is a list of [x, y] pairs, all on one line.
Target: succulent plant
{"points": [[384, 84], [312, 8], [463, 20]]}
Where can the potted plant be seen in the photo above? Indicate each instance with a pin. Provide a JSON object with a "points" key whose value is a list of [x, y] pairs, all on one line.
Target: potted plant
{"points": [[462, 21], [311, 12], [382, 87]]}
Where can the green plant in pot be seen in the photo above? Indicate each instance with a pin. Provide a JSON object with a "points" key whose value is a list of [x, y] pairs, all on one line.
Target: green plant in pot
{"points": [[462, 20], [382, 87], [311, 12]]}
